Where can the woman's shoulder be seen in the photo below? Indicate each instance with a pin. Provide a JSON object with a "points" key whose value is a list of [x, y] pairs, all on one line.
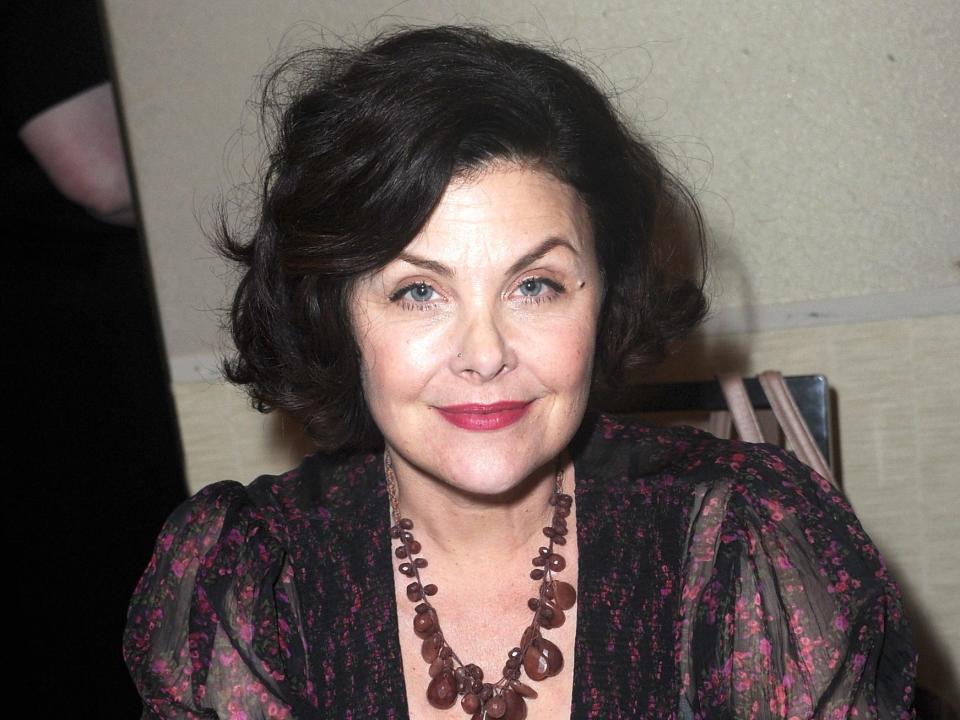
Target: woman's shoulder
{"points": [[216, 619], [320, 485], [758, 485], [321, 489], [628, 449], [784, 596]]}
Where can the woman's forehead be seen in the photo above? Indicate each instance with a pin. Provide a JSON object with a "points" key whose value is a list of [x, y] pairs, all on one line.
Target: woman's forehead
{"points": [[503, 212]]}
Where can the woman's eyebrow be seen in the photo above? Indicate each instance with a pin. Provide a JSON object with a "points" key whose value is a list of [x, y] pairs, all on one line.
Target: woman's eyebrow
{"points": [[432, 265], [527, 259], [538, 252]]}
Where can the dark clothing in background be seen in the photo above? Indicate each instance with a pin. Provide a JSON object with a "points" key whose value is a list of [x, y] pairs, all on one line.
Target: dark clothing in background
{"points": [[96, 455]]}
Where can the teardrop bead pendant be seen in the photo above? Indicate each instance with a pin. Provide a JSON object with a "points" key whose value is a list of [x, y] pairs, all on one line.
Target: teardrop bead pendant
{"points": [[442, 690], [551, 617], [543, 659], [516, 706], [430, 649], [496, 707], [564, 594], [424, 625]]}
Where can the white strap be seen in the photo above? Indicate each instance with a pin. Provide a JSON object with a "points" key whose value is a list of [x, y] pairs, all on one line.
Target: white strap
{"points": [[719, 424], [794, 427], [740, 407]]}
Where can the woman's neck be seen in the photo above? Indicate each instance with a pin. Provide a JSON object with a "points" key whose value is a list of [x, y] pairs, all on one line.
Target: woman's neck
{"points": [[454, 522]]}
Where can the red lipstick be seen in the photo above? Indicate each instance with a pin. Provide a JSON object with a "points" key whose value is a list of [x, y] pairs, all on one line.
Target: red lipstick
{"points": [[478, 417]]}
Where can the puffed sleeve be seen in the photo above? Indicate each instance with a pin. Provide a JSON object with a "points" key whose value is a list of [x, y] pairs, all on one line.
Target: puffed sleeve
{"points": [[787, 609], [213, 629]]}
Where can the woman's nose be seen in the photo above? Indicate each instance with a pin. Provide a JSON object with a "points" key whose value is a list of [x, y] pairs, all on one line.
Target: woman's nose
{"points": [[483, 351]]}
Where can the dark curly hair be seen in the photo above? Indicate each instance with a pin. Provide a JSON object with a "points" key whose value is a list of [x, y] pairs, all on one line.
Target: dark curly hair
{"points": [[366, 141]]}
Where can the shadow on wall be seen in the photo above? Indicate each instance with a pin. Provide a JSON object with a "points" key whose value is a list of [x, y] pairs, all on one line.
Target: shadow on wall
{"points": [[938, 690], [287, 436]]}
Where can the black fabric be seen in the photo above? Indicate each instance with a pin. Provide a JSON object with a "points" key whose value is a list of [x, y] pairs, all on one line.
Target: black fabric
{"points": [[91, 430], [50, 52], [716, 580]]}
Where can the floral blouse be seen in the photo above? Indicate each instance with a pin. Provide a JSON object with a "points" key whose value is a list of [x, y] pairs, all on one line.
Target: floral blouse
{"points": [[717, 579]]}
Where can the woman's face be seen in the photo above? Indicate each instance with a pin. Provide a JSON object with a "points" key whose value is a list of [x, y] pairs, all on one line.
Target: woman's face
{"points": [[477, 342]]}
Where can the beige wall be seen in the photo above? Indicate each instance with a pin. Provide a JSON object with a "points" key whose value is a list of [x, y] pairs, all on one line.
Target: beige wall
{"points": [[822, 136], [822, 140]]}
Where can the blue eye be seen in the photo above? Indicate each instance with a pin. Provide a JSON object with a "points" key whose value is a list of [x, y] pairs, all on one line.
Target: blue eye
{"points": [[416, 292], [421, 292], [531, 287], [538, 288]]}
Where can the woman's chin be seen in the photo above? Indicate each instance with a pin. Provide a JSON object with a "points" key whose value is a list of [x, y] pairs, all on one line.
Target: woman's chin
{"points": [[496, 480]]}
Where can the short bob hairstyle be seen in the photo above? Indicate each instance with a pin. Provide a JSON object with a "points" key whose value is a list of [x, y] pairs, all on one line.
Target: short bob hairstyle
{"points": [[366, 141]]}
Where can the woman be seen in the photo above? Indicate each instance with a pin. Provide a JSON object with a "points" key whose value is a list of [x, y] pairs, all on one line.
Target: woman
{"points": [[455, 240]]}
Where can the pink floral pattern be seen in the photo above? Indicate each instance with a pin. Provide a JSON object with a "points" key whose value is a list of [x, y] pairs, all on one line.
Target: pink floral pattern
{"points": [[717, 580]]}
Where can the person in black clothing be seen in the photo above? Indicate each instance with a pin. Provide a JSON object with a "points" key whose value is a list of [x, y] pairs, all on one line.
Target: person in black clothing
{"points": [[96, 456]]}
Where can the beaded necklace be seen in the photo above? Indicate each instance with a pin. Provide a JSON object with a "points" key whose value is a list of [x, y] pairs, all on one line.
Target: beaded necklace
{"points": [[535, 655]]}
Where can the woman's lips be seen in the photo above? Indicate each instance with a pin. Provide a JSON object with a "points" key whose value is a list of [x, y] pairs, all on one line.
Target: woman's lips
{"points": [[475, 416]]}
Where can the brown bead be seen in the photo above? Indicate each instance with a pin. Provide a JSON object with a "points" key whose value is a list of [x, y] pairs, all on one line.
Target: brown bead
{"points": [[539, 561], [563, 512], [430, 589], [406, 536], [470, 703], [414, 546], [564, 595], [424, 625], [514, 653], [516, 705], [406, 569], [474, 671], [556, 563], [556, 619], [543, 551], [486, 692], [420, 562], [395, 532], [536, 574], [525, 690], [430, 650], [564, 500], [421, 608], [414, 592], [442, 691], [496, 707], [549, 532], [406, 523], [546, 613], [533, 603], [559, 540], [528, 635], [543, 659], [435, 667], [460, 675], [400, 552]]}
